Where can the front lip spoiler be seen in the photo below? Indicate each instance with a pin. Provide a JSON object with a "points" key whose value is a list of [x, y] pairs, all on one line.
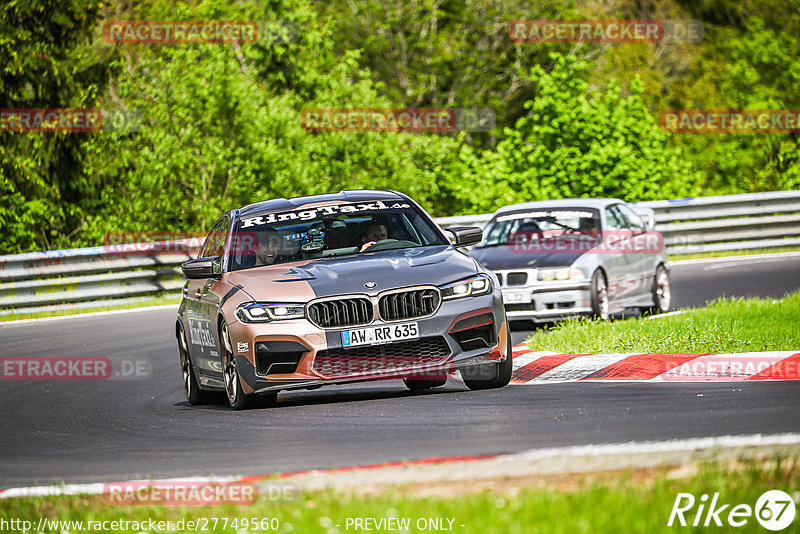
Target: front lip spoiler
{"points": [[446, 367], [544, 316], [577, 286]]}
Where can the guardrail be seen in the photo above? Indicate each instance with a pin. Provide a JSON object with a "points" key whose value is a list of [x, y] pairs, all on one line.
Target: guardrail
{"points": [[87, 277]]}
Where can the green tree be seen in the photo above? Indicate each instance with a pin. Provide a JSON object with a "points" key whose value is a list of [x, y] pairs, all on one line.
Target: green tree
{"points": [[46, 63], [575, 142], [220, 128]]}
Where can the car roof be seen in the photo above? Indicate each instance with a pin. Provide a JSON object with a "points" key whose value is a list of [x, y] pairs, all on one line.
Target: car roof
{"points": [[283, 204], [596, 203]]}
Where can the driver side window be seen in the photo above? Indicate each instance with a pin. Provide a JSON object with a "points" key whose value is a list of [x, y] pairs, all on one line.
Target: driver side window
{"points": [[631, 219], [211, 240], [614, 219]]}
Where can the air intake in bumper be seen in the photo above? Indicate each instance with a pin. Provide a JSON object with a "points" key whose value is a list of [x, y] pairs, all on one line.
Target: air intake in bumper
{"points": [[405, 355], [476, 332]]}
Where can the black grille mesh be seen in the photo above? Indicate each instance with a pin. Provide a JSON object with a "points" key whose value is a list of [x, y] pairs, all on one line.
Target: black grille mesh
{"points": [[341, 312], [408, 304], [382, 358]]}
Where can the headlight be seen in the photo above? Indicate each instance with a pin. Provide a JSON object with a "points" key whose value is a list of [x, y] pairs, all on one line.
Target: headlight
{"points": [[256, 312], [471, 287], [548, 275]]}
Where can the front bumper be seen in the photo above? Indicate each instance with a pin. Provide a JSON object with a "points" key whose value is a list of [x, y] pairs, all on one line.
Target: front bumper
{"points": [[548, 301], [305, 355]]}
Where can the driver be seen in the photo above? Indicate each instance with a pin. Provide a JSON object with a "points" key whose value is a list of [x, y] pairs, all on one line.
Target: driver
{"points": [[268, 247], [588, 226], [374, 233]]}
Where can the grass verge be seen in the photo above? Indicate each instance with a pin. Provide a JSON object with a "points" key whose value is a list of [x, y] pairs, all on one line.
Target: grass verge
{"points": [[155, 301], [627, 504], [726, 325]]}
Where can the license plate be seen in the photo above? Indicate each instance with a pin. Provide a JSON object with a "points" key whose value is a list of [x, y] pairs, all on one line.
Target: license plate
{"points": [[516, 297], [377, 335]]}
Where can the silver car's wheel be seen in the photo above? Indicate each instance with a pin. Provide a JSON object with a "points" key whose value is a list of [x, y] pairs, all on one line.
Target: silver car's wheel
{"points": [[662, 294], [599, 295]]}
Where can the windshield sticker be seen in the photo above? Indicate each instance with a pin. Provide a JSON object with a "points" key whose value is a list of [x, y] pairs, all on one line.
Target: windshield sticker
{"points": [[542, 214], [319, 211]]}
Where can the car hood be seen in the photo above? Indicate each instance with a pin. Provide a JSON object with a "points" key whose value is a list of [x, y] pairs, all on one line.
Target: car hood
{"points": [[388, 269], [502, 257]]}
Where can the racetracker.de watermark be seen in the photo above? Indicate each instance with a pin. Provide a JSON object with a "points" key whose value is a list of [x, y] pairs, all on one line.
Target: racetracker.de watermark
{"points": [[732, 366], [606, 31], [596, 242], [180, 31], [180, 493], [410, 120], [198, 492], [74, 368], [157, 243], [51, 120], [68, 120], [731, 121]]}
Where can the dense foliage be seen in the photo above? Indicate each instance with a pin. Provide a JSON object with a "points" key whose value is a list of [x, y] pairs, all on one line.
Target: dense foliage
{"points": [[208, 127]]}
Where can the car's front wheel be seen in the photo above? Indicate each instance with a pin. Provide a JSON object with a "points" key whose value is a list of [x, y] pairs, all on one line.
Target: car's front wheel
{"points": [[662, 294], [490, 375], [599, 295]]}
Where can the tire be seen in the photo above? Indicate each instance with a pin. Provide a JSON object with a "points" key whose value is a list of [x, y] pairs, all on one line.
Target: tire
{"points": [[417, 384], [191, 387], [491, 375], [234, 392], [599, 296], [661, 291]]}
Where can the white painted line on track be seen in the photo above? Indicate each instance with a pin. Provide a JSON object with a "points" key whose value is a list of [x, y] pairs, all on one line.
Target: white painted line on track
{"points": [[644, 447], [577, 451], [91, 314], [98, 488], [755, 257]]}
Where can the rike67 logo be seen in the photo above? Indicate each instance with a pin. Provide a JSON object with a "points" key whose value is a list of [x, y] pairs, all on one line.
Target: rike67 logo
{"points": [[774, 510]]}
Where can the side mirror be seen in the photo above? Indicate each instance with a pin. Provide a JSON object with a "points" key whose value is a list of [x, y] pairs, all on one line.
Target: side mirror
{"points": [[464, 236], [208, 267]]}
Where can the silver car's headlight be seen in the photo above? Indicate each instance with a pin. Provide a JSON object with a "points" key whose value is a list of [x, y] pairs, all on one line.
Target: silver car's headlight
{"points": [[562, 273], [257, 312], [471, 287]]}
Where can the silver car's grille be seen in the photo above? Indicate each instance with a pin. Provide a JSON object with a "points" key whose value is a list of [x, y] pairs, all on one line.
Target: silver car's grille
{"points": [[408, 304], [341, 312]]}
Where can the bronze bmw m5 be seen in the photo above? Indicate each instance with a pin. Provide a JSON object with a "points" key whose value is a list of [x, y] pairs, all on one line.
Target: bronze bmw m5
{"points": [[328, 289]]}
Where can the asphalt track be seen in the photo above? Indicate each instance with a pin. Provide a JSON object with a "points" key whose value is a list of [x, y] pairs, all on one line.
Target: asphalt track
{"points": [[107, 430]]}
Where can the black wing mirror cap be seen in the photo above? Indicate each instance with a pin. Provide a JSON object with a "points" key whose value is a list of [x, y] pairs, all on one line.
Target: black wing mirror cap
{"points": [[208, 267], [465, 236]]}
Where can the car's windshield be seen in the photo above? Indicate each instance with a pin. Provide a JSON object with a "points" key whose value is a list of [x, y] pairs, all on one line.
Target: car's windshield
{"points": [[336, 229], [542, 224]]}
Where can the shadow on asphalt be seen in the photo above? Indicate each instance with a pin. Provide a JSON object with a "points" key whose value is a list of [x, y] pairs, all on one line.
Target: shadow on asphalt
{"points": [[295, 398]]}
